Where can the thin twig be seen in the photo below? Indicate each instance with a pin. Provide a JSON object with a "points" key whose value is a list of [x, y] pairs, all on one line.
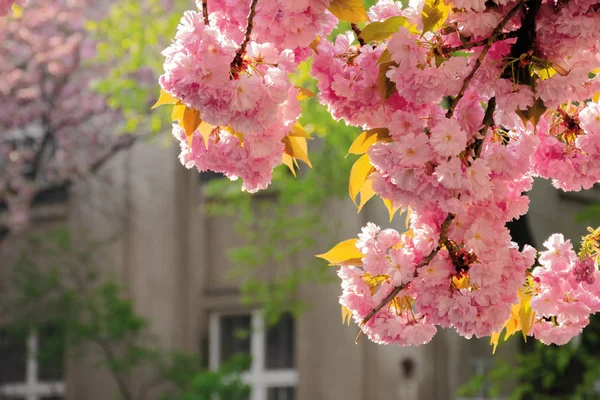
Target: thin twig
{"points": [[237, 61], [482, 42], [490, 40], [205, 11]]}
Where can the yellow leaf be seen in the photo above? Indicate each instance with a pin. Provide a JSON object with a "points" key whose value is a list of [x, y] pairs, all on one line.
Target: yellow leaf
{"points": [[346, 315], [494, 340], [435, 13], [349, 10], [390, 207], [191, 121], [373, 281], [366, 193], [596, 71], [297, 148], [342, 253], [177, 113], [359, 173], [596, 97], [386, 87], [544, 72], [408, 214], [313, 45], [289, 161], [462, 282], [298, 131], [205, 130], [368, 138], [304, 93], [165, 98], [382, 30]]}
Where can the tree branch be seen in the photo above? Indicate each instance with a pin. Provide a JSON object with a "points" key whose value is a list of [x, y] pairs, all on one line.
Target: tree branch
{"points": [[237, 61], [205, 11], [357, 31], [489, 41]]}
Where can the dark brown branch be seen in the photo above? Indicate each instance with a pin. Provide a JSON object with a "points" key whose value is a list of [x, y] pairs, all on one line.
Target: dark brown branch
{"points": [[205, 11], [357, 30], [482, 42], [488, 121], [443, 240], [237, 61], [490, 40]]}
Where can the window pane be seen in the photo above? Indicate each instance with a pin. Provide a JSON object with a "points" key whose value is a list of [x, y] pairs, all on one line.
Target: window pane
{"points": [[281, 393], [13, 356], [51, 353], [280, 344], [235, 336]]}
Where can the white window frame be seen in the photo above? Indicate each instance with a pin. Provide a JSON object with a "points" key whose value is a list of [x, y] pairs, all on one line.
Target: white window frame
{"points": [[258, 378], [33, 388]]}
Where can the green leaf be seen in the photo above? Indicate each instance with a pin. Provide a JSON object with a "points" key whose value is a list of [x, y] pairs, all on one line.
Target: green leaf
{"points": [[382, 30]]}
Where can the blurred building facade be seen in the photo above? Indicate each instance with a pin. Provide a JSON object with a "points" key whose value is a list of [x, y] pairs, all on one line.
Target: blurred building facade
{"points": [[171, 258]]}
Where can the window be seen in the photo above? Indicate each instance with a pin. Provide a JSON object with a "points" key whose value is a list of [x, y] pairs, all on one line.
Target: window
{"points": [[272, 375], [22, 377]]}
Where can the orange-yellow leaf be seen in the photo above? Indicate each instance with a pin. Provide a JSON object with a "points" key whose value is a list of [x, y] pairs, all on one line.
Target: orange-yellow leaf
{"points": [[191, 121], [408, 214], [342, 253], [349, 10], [205, 130], [359, 173], [391, 209], [289, 161], [304, 93], [346, 315], [297, 148], [165, 98], [435, 13], [596, 97], [177, 113], [494, 341], [366, 193], [313, 45], [368, 138], [298, 131]]}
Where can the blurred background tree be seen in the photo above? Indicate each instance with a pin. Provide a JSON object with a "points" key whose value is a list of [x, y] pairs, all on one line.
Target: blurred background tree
{"points": [[55, 288]]}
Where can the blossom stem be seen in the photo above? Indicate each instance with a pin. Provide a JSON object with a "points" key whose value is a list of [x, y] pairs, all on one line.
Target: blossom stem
{"points": [[237, 61], [489, 41], [205, 11]]}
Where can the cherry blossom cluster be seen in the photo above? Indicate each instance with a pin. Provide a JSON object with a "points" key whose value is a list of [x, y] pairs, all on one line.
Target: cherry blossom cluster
{"points": [[470, 100], [238, 80], [567, 291], [53, 126]]}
